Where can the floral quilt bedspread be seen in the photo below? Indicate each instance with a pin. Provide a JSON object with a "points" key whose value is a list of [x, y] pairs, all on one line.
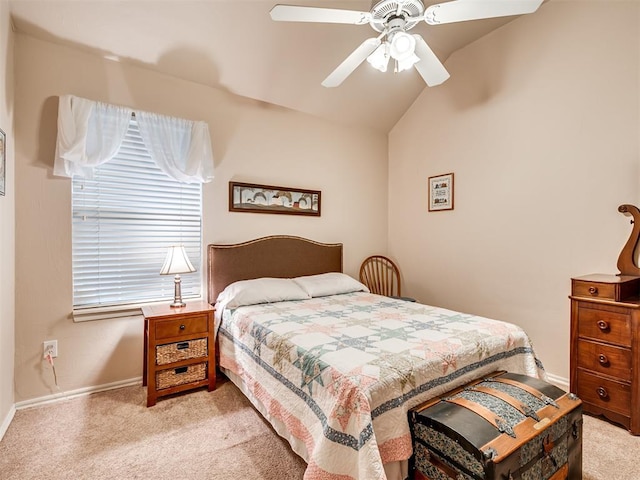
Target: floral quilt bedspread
{"points": [[336, 375]]}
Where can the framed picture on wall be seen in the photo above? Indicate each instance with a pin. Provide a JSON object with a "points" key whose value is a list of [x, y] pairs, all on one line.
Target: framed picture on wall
{"points": [[441, 192], [3, 162], [250, 197]]}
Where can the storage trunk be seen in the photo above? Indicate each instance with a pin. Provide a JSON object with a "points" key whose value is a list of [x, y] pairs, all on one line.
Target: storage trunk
{"points": [[503, 426]]}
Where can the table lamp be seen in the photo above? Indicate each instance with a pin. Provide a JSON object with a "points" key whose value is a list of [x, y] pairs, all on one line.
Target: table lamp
{"points": [[176, 263]]}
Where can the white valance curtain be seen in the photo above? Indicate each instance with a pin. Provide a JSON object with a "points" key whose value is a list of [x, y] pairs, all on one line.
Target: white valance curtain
{"points": [[90, 134]]}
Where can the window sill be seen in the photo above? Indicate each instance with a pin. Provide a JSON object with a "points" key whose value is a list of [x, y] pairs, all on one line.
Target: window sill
{"points": [[132, 312], [91, 314]]}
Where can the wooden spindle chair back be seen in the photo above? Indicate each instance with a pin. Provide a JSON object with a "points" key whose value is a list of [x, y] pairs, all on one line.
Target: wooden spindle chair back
{"points": [[381, 275]]}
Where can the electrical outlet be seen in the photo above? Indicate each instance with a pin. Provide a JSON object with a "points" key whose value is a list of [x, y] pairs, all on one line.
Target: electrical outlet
{"points": [[50, 346]]}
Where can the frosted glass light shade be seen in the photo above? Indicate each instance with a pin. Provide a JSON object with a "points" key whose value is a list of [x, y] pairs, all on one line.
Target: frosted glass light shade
{"points": [[176, 261], [402, 46], [379, 59], [407, 63]]}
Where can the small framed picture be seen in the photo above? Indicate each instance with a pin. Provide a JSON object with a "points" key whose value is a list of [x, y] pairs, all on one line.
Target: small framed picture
{"points": [[441, 192], [3, 162]]}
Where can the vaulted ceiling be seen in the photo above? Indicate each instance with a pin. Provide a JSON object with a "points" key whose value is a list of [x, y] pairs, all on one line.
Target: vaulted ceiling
{"points": [[235, 46]]}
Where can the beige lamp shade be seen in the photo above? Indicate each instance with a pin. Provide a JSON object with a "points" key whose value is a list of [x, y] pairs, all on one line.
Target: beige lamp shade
{"points": [[176, 261]]}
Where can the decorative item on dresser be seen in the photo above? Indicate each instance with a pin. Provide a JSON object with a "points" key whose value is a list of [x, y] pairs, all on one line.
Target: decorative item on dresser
{"points": [[605, 337], [179, 349]]}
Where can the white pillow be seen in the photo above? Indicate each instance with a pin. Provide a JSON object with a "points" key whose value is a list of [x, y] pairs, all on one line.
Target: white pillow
{"points": [[333, 283], [260, 290]]}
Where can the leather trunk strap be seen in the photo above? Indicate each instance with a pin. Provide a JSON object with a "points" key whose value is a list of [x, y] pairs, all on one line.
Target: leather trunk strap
{"points": [[476, 408]]}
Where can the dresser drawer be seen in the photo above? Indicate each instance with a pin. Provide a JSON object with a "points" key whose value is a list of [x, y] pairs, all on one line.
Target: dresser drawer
{"points": [[182, 326], [593, 289], [606, 359], [606, 287], [607, 394], [605, 325]]}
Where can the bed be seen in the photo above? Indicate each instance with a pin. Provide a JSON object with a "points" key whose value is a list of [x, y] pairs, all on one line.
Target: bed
{"points": [[334, 368]]}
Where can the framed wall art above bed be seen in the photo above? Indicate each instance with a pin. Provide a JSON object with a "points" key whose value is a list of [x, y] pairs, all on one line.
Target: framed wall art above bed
{"points": [[250, 197]]}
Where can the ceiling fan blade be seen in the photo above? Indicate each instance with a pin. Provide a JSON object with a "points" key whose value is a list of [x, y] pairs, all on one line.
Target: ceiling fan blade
{"points": [[293, 13], [429, 66], [352, 62], [463, 10]]}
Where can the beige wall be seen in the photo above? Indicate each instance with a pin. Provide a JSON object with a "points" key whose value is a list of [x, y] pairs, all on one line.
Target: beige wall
{"points": [[540, 124], [7, 224], [252, 142]]}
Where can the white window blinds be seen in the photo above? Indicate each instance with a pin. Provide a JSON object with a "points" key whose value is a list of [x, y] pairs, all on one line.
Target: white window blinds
{"points": [[124, 219]]}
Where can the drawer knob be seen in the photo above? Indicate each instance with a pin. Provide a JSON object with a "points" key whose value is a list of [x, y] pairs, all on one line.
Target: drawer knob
{"points": [[593, 290], [602, 325], [603, 360], [182, 327], [602, 392]]}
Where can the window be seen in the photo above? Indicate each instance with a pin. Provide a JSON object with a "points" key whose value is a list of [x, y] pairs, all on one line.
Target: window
{"points": [[124, 219]]}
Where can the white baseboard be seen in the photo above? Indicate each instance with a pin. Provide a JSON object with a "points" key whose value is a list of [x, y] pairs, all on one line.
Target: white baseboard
{"points": [[558, 381], [7, 421], [57, 397]]}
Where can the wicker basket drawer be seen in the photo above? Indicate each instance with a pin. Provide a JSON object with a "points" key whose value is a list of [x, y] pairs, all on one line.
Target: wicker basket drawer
{"points": [[174, 352], [181, 375]]}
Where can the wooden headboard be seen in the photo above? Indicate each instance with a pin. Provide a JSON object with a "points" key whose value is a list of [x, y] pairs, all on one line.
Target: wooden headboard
{"points": [[279, 256]]}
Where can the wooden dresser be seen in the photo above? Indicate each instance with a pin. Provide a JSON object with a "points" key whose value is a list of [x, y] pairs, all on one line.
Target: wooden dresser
{"points": [[605, 346], [179, 349]]}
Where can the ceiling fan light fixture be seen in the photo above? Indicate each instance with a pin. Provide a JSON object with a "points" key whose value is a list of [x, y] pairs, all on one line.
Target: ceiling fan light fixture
{"points": [[379, 59], [393, 19], [403, 46]]}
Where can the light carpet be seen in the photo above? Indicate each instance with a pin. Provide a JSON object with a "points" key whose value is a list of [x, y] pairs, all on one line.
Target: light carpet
{"points": [[200, 435]]}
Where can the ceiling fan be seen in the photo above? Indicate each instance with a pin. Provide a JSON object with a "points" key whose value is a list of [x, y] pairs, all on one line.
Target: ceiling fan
{"points": [[392, 19]]}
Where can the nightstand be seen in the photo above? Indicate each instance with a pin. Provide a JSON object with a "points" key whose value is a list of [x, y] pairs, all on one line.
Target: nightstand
{"points": [[179, 349]]}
